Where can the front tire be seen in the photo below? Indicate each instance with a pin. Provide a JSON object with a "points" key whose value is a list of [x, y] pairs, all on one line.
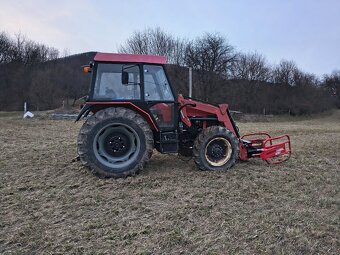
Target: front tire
{"points": [[115, 142], [216, 148]]}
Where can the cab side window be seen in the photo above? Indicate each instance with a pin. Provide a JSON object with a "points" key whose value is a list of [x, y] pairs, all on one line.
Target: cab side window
{"points": [[156, 85], [108, 84]]}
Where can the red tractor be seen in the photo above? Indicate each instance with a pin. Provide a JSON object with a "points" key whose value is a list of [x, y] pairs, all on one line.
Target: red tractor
{"points": [[133, 110]]}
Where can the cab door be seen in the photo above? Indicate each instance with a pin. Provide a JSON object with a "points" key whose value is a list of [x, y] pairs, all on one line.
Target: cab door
{"points": [[159, 97]]}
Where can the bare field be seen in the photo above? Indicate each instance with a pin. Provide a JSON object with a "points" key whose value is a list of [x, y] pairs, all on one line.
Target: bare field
{"points": [[51, 205]]}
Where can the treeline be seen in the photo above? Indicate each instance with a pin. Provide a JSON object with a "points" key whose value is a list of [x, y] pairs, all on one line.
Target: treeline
{"points": [[40, 75], [245, 80], [36, 73]]}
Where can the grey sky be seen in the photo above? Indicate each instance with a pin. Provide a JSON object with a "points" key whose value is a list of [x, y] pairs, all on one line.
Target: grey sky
{"points": [[306, 31]]}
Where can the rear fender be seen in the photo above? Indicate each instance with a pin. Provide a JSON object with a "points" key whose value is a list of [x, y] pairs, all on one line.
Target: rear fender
{"points": [[96, 106], [84, 111]]}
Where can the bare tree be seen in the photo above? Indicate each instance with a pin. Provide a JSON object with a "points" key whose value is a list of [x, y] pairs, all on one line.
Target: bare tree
{"points": [[302, 79], [212, 56], [210, 53], [5, 47], [160, 43], [23, 51], [156, 42], [138, 43], [250, 67], [332, 82], [177, 54], [284, 73]]}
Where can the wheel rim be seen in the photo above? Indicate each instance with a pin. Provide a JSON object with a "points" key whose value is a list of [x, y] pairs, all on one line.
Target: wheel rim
{"points": [[116, 145], [218, 151]]}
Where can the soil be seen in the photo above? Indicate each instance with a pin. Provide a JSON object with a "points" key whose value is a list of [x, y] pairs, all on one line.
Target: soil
{"points": [[51, 204]]}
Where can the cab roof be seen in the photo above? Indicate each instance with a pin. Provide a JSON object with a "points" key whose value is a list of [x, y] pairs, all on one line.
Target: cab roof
{"points": [[129, 58]]}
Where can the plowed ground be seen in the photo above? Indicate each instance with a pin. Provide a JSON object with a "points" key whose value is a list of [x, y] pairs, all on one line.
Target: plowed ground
{"points": [[50, 204]]}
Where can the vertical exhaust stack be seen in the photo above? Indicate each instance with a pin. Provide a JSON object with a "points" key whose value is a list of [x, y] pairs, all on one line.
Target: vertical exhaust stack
{"points": [[190, 82]]}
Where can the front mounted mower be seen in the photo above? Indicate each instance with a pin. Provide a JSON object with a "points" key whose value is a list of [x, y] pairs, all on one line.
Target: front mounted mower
{"points": [[131, 110]]}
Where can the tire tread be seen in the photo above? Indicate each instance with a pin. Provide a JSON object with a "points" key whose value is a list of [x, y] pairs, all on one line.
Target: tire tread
{"points": [[204, 137], [84, 148]]}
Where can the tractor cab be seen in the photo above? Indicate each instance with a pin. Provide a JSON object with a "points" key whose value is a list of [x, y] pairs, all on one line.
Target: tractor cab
{"points": [[140, 80]]}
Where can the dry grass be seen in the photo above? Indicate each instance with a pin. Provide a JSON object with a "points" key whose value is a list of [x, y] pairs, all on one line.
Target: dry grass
{"points": [[50, 204]]}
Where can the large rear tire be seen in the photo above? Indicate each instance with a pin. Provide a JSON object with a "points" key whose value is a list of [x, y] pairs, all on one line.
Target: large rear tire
{"points": [[115, 142], [216, 148]]}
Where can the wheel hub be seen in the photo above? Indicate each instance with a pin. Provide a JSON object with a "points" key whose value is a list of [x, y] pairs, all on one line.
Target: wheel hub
{"points": [[217, 150], [117, 144]]}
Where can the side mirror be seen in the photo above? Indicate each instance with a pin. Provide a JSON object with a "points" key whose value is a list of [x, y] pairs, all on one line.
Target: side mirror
{"points": [[125, 78]]}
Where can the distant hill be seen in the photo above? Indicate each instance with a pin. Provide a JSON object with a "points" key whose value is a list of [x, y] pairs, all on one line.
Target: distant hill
{"points": [[77, 59], [45, 85], [60, 82]]}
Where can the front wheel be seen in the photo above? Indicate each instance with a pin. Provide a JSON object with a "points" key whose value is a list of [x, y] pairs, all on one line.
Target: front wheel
{"points": [[216, 148]]}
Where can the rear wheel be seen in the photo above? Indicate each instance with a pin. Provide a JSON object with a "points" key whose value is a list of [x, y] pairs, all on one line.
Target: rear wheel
{"points": [[115, 142], [216, 148]]}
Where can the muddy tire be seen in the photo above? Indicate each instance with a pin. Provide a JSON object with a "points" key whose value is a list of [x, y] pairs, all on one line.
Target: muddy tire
{"points": [[216, 148], [115, 142]]}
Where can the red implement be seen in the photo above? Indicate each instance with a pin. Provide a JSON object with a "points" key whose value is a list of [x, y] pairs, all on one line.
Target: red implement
{"points": [[274, 150]]}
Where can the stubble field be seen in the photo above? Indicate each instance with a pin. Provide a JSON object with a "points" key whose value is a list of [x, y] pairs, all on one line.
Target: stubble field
{"points": [[50, 204]]}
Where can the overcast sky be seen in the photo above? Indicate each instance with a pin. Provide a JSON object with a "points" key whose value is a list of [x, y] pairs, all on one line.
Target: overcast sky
{"points": [[306, 31]]}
